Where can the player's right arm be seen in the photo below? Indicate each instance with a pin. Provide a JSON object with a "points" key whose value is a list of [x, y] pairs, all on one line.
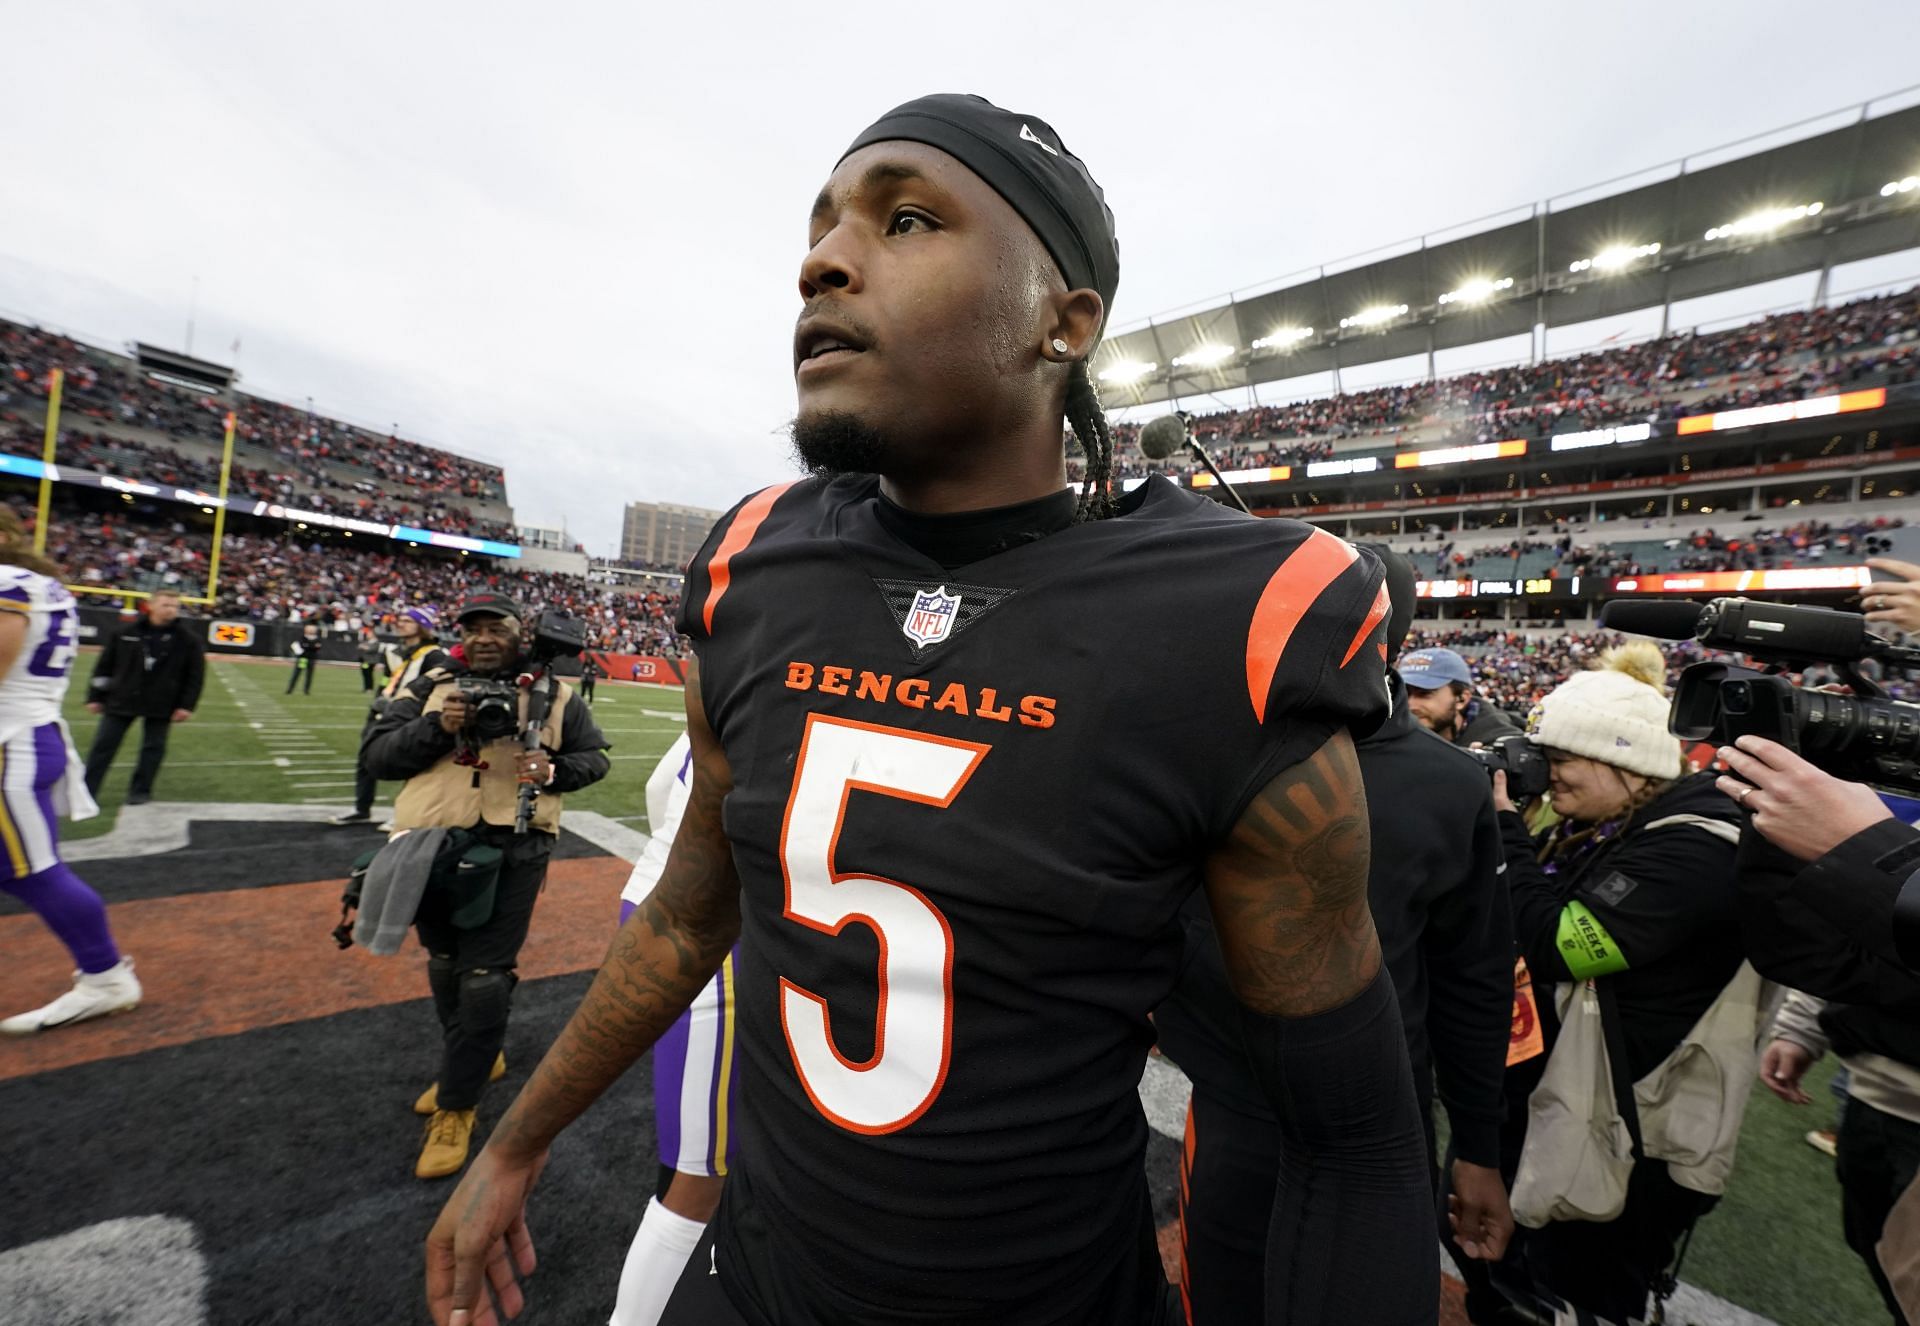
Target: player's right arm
{"points": [[665, 954], [1352, 1234]]}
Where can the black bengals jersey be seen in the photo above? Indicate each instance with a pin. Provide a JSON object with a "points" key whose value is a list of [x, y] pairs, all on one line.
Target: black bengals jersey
{"points": [[967, 806]]}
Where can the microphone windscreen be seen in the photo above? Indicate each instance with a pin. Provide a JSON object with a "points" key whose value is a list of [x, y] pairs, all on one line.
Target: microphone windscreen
{"points": [[1163, 437], [1663, 620]]}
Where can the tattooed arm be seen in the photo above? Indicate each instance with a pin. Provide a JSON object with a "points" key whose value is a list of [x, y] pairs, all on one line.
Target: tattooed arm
{"points": [[1352, 1239], [662, 957]]}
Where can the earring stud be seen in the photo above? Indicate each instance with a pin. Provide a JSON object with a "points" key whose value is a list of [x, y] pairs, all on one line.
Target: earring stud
{"points": [[1060, 347]]}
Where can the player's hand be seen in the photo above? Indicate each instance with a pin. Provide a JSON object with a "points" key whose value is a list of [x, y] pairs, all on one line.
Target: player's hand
{"points": [[1478, 1212], [182, 715], [1894, 601], [481, 1239], [456, 715], [1501, 801], [1782, 1065], [1798, 808], [535, 767], [95, 707]]}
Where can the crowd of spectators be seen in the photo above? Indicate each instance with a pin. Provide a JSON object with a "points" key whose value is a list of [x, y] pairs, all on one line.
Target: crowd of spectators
{"points": [[1784, 357], [1811, 542], [318, 464], [291, 577]]}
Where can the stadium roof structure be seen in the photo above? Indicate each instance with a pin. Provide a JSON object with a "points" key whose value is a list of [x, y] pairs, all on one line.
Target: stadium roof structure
{"points": [[1797, 207]]}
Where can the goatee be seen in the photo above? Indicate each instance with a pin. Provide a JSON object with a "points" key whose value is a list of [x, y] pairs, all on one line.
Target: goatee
{"points": [[834, 442]]}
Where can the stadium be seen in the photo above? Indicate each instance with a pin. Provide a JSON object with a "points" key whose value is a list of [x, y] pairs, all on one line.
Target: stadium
{"points": [[1766, 454]]}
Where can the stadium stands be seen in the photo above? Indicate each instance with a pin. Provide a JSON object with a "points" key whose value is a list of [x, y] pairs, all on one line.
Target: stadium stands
{"points": [[275, 575], [115, 418], [1785, 357]]}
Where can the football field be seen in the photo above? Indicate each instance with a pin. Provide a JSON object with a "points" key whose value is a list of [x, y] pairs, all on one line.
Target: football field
{"points": [[251, 742], [243, 1142]]}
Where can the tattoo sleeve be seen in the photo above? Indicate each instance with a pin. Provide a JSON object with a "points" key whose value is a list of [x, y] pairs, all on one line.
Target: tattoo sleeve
{"points": [[1289, 889], [661, 958]]}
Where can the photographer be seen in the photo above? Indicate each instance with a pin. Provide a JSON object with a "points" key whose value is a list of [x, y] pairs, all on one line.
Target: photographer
{"points": [[418, 651], [1632, 889], [459, 749], [1440, 694]]}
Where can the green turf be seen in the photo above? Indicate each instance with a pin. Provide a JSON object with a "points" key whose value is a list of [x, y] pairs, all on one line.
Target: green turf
{"points": [[228, 751], [1773, 1246]]}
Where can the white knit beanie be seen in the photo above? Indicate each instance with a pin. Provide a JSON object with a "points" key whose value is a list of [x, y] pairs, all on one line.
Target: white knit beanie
{"points": [[1616, 714]]}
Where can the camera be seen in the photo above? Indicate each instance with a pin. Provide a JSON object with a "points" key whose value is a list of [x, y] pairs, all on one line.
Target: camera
{"points": [[495, 707], [1864, 737], [556, 634], [1524, 764]]}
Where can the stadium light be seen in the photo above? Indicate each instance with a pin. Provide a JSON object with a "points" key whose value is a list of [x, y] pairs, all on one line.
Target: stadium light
{"points": [[1760, 223], [1373, 317], [1127, 371], [1908, 185], [1613, 258], [1204, 356], [1284, 338], [1477, 291]]}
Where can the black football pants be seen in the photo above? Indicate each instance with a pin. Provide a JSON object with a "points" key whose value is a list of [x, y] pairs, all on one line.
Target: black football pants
{"points": [[472, 972], [300, 665], [106, 744]]}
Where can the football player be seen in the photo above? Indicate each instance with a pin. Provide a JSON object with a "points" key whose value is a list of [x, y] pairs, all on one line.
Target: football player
{"points": [[41, 778], [949, 797]]}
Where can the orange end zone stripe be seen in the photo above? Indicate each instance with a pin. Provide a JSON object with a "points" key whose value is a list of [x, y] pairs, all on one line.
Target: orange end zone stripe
{"points": [[739, 534], [1301, 579]]}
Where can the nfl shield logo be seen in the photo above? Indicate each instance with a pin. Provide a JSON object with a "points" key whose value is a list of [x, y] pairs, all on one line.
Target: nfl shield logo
{"points": [[930, 619]]}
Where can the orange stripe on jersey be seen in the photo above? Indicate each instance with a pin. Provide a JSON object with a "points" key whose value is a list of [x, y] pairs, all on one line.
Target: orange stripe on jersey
{"points": [[1375, 615], [1301, 579], [739, 535]]}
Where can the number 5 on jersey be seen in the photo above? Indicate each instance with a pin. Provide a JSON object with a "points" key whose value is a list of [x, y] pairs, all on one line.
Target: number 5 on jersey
{"points": [[913, 1023]]}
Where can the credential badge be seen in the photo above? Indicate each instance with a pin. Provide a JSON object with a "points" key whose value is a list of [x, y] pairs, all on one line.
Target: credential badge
{"points": [[930, 619]]}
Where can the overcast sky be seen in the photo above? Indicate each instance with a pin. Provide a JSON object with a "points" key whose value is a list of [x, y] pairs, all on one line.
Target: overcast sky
{"points": [[567, 237]]}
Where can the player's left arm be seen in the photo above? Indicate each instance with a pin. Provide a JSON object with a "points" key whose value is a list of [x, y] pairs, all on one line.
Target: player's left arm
{"points": [[1352, 1234]]}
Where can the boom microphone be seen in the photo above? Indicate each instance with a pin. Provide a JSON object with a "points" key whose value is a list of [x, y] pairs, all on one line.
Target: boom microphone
{"points": [[1163, 437], [1662, 621]]}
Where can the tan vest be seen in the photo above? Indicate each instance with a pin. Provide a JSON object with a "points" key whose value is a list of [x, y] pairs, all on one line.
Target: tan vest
{"points": [[459, 796]]}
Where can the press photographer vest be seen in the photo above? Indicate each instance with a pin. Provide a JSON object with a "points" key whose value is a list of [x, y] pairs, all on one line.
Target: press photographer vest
{"points": [[458, 796]]}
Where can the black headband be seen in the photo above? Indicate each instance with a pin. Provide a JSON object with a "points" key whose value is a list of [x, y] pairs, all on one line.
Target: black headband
{"points": [[1023, 160]]}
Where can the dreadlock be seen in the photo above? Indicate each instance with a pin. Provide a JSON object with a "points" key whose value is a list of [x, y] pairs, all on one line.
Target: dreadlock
{"points": [[16, 548], [1089, 421]]}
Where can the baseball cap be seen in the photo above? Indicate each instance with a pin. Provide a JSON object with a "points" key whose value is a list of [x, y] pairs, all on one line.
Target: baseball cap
{"points": [[489, 604], [1430, 669]]}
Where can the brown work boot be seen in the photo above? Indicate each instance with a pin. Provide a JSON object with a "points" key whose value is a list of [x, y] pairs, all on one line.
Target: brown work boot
{"points": [[429, 1100], [448, 1134]]}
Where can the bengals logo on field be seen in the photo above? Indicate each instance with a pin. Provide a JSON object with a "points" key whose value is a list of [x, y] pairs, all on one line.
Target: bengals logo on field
{"points": [[235, 635]]}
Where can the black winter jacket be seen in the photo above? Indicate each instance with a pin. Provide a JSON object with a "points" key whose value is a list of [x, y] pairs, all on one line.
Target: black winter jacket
{"points": [[1826, 928], [148, 671], [404, 741], [1653, 911]]}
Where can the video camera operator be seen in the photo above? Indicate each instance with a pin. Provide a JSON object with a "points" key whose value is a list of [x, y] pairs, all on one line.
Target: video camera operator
{"points": [[1630, 897], [455, 735], [1827, 910]]}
